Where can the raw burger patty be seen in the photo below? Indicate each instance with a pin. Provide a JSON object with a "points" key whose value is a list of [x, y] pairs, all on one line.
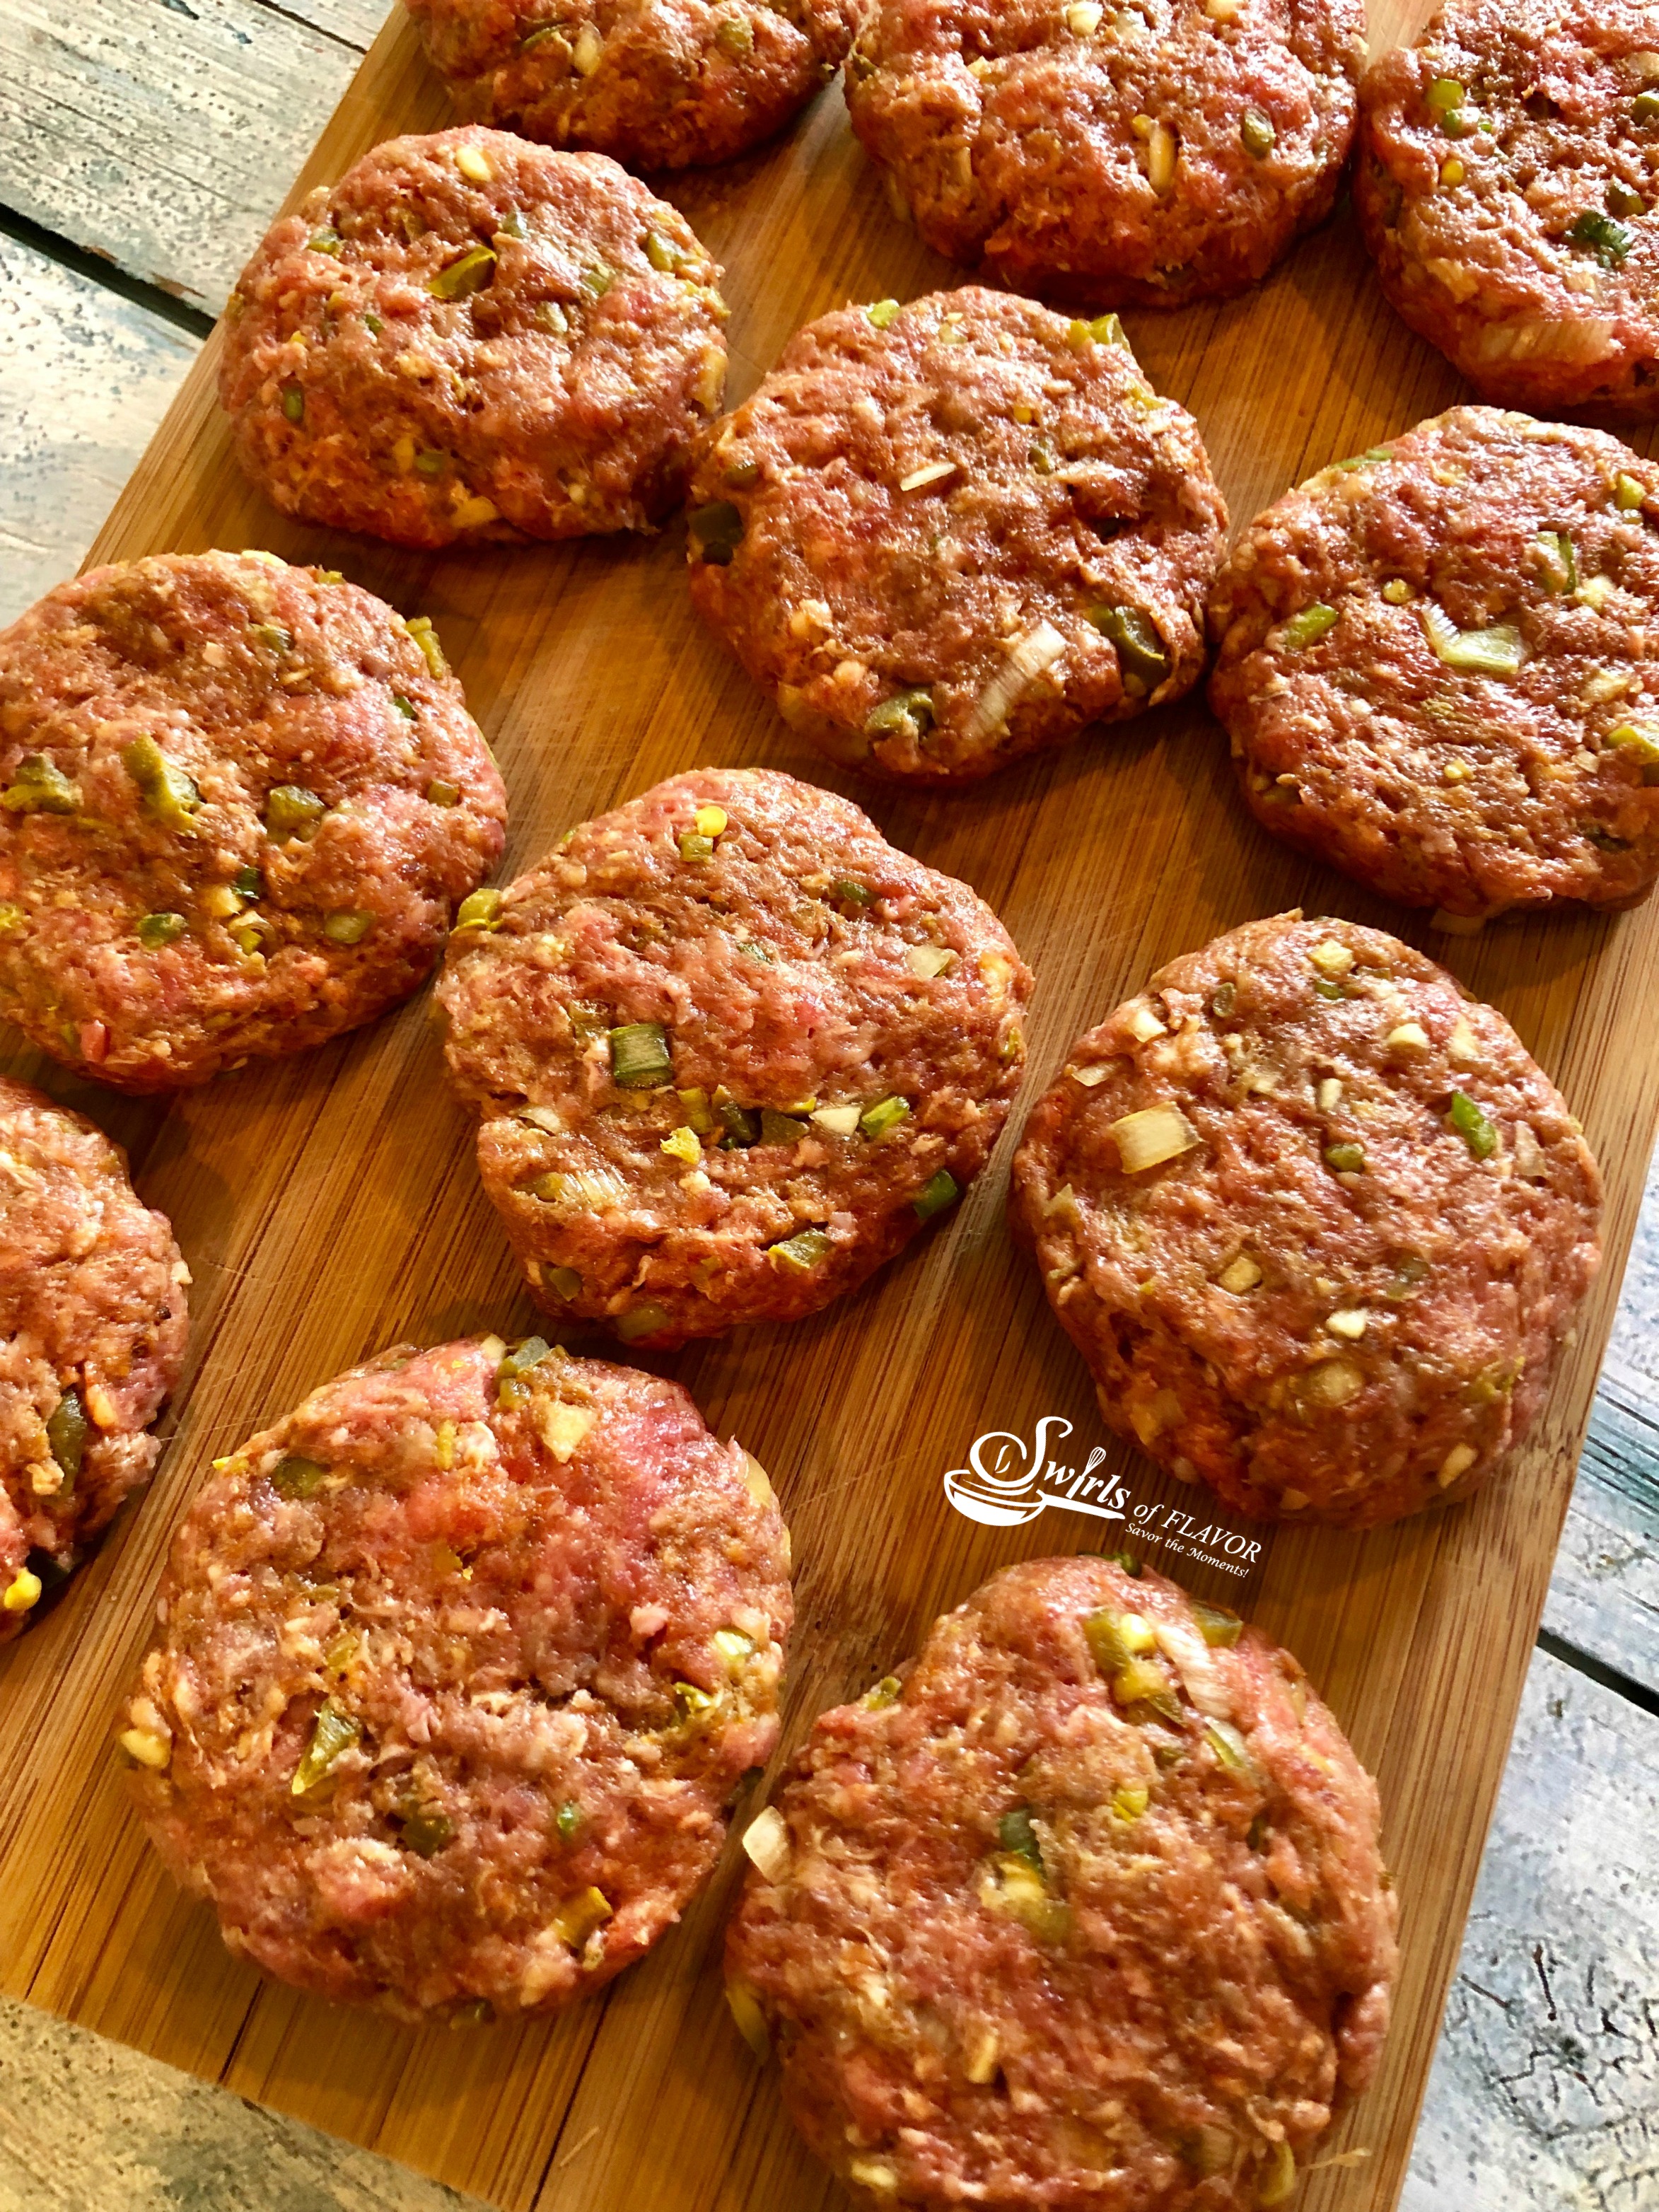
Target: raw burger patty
{"points": [[1088, 1911], [1316, 1221], [944, 535], [457, 1669], [661, 84], [1120, 156], [469, 337], [92, 1337], [239, 802], [729, 1049], [1431, 666], [1507, 166]]}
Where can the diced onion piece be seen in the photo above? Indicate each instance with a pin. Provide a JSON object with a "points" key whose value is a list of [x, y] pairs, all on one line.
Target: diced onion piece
{"points": [[1240, 1275], [1407, 1036], [1030, 657], [926, 961], [1089, 1077], [751, 2021], [1457, 925], [1331, 957], [1458, 1461], [757, 1482], [1163, 148], [471, 163], [1639, 740], [766, 1841], [1462, 1046], [1333, 1382], [585, 56], [980, 2062], [1150, 1135], [1496, 651], [1529, 1162], [1143, 1024], [1278, 2183], [1351, 1321], [839, 1120], [933, 473], [1082, 19], [139, 1745]]}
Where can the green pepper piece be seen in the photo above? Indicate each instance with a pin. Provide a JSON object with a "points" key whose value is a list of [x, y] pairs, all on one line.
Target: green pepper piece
{"points": [[372, 323], [479, 910], [40, 787], [247, 883], [742, 1124], [742, 475], [516, 1364], [1479, 1134], [1141, 650], [850, 893], [462, 277], [570, 1820], [1307, 628], [1644, 108], [426, 1830], [716, 532], [1016, 1834], [777, 1128], [156, 930], [940, 1191], [350, 926], [1258, 134], [169, 793], [640, 1057], [886, 1114], [907, 713], [1216, 1624], [291, 810], [67, 1431], [799, 1254], [1345, 1159], [640, 1320], [403, 706], [294, 403], [274, 635], [333, 1733], [294, 1477]]}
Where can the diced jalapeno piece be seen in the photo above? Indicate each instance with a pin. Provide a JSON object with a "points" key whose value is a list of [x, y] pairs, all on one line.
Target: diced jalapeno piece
{"points": [[426, 1830], [1479, 1134], [67, 1431], [294, 403], [468, 274], [430, 461], [907, 713], [40, 786], [694, 847], [273, 635], [1115, 1638], [1606, 241], [799, 1254], [401, 705], [849, 893], [511, 1389], [880, 1695], [479, 910], [733, 36], [349, 926], [936, 1194], [779, 1128], [1443, 95], [156, 930], [1345, 1159], [333, 1733], [683, 1145], [1644, 108], [694, 1106], [1107, 329], [294, 1477], [1216, 1624], [1622, 199], [598, 280], [1307, 628], [11, 918], [169, 793], [886, 1114], [580, 1917], [1628, 492], [1141, 650], [741, 476], [564, 1282], [568, 1822], [439, 794], [247, 883], [372, 323], [639, 1058], [884, 313], [1558, 560], [420, 628], [742, 1124], [640, 1320], [291, 810], [1228, 1746], [1258, 134], [662, 252], [1016, 1834], [716, 531], [511, 225], [694, 1703]]}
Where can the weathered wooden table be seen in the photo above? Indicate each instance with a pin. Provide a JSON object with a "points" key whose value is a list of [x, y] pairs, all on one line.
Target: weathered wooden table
{"points": [[142, 146]]}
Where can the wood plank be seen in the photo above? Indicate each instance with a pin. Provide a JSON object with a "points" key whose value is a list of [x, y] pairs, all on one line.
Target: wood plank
{"points": [[163, 133], [329, 1205], [85, 377], [1546, 2084]]}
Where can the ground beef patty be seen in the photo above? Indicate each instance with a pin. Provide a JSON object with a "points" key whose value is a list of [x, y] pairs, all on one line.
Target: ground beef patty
{"points": [[1086, 1909], [731, 1050], [1431, 666], [458, 1668], [944, 535], [1316, 1221], [469, 337], [92, 1337], [1134, 157], [238, 804], [661, 84], [1508, 163]]}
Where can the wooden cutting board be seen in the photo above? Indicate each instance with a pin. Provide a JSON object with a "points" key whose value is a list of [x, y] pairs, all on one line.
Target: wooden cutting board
{"points": [[329, 1206]]}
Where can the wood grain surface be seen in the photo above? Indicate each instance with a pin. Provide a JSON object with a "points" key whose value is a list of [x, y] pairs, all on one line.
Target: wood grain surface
{"points": [[328, 1206]]}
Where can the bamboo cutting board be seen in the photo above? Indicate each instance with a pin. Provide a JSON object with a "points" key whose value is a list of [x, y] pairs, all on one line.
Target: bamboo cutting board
{"points": [[328, 1206]]}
